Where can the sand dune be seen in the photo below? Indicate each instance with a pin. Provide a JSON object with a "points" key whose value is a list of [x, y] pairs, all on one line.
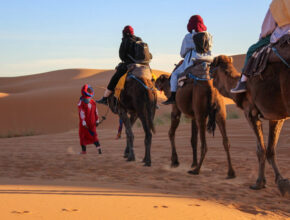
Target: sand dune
{"points": [[42, 176]]}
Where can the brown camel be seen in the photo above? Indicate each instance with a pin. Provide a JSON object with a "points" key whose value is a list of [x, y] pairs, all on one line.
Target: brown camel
{"points": [[268, 97], [198, 100], [136, 101]]}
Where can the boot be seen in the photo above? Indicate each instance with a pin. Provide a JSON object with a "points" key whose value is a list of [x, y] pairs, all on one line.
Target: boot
{"points": [[240, 88], [103, 100], [170, 100], [100, 151]]}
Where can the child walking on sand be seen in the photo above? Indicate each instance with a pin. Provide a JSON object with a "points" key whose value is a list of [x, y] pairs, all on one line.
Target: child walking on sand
{"points": [[89, 119]]}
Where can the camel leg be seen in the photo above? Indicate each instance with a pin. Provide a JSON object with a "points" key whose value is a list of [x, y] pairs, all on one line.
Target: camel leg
{"points": [[221, 121], [201, 121], [194, 132], [261, 151], [175, 119], [133, 119], [129, 135], [274, 133], [147, 141]]}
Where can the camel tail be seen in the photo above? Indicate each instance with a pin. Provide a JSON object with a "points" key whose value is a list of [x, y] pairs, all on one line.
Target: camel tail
{"points": [[212, 110]]}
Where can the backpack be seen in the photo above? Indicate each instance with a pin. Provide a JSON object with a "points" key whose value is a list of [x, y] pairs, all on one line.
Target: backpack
{"points": [[141, 52], [202, 41]]}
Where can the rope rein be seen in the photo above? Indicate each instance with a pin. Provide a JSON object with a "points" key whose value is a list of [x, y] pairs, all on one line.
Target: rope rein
{"points": [[281, 58]]}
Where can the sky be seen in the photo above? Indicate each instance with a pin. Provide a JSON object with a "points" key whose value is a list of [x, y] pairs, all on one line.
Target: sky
{"points": [[44, 35]]}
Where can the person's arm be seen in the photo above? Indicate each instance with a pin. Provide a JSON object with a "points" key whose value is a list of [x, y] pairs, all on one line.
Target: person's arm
{"points": [[83, 117], [123, 51], [187, 45], [268, 25]]}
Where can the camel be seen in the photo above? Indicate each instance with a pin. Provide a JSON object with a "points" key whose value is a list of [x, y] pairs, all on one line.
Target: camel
{"points": [[198, 100], [267, 97], [135, 102]]}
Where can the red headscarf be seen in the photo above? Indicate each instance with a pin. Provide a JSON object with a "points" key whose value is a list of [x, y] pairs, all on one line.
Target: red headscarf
{"points": [[128, 30], [196, 23], [86, 93]]}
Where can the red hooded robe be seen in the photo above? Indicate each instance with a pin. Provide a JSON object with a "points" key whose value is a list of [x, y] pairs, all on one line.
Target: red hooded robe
{"points": [[88, 115]]}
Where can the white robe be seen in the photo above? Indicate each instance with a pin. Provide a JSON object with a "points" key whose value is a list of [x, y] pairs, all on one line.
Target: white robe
{"points": [[188, 52]]}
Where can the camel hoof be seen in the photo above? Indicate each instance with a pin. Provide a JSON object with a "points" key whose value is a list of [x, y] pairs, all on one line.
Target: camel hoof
{"points": [[174, 164], [147, 164], [193, 165], [284, 187], [193, 172], [257, 186], [231, 175], [131, 158]]}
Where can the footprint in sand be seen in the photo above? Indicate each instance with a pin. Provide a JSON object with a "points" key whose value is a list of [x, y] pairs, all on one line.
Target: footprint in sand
{"points": [[164, 206], [20, 212], [69, 210]]}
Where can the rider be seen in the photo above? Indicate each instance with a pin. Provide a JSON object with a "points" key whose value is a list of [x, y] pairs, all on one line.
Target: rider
{"points": [[188, 52], [126, 54], [276, 24]]}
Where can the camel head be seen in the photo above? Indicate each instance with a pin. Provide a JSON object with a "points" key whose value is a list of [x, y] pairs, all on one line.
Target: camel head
{"points": [[224, 74], [163, 84]]}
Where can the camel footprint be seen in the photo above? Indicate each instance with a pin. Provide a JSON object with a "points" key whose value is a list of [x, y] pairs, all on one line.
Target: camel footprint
{"points": [[69, 210], [20, 212]]}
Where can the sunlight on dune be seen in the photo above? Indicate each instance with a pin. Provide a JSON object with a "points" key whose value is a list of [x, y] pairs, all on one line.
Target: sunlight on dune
{"points": [[87, 73]]}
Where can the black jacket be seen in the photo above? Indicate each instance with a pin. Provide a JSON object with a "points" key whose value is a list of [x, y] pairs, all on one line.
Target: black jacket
{"points": [[127, 47]]}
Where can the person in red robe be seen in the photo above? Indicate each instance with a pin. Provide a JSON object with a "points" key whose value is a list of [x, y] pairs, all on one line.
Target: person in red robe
{"points": [[88, 115]]}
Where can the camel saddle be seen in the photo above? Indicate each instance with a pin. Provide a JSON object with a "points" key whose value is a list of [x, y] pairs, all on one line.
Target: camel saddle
{"points": [[277, 52], [138, 70], [199, 72]]}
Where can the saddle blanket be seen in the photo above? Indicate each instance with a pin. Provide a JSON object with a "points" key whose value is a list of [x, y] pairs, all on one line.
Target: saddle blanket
{"points": [[138, 70]]}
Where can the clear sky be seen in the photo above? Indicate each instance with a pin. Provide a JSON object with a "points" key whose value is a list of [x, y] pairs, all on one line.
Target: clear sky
{"points": [[43, 35]]}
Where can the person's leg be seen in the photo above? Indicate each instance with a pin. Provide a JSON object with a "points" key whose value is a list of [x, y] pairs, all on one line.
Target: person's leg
{"points": [[84, 149], [97, 143], [242, 86], [121, 70], [173, 87]]}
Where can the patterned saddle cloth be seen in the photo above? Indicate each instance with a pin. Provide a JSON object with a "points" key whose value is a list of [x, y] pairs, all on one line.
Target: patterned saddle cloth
{"points": [[259, 60], [198, 72], [138, 70]]}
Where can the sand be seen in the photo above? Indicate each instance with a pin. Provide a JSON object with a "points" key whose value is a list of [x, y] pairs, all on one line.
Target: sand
{"points": [[43, 176]]}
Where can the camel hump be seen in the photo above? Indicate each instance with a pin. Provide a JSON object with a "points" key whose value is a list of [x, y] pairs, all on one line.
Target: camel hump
{"points": [[141, 71]]}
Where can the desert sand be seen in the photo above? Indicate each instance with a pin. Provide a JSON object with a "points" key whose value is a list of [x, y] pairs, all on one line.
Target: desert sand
{"points": [[43, 176]]}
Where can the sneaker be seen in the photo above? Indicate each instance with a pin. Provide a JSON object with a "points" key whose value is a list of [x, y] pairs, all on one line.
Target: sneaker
{"points": [[83, 152], [240, 88], [100, 151], [103, 100]]}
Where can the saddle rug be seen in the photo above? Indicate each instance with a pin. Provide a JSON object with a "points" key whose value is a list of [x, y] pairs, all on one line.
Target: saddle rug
{"points": [[259, 60], [138, 70], [200, 72]]}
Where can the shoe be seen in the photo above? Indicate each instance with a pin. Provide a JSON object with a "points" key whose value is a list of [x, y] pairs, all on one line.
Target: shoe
{"points": [[103, 100], [83, 152], [170, 100], [240, 88], [100, 151]]}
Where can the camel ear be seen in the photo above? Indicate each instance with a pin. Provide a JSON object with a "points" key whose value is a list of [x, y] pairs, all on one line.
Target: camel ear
{"points": [[231, 60]]}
